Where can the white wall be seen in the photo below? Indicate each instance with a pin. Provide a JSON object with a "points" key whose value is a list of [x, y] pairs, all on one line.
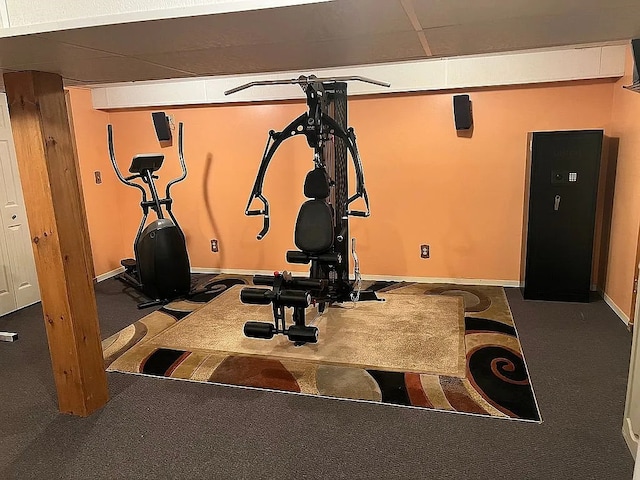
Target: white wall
{"points": [[425, 75], [4, 15]]}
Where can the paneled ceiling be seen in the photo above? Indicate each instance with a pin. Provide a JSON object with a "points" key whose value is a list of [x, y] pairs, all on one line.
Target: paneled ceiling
{"points": [[331, 34]]}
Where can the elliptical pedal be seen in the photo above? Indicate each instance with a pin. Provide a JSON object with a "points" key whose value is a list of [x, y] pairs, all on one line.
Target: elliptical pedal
{"points": [[128, 263], [130, 267]]}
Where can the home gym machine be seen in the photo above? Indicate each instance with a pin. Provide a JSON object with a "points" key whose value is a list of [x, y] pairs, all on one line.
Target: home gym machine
{"points": [[161, 269], [322, 226]]}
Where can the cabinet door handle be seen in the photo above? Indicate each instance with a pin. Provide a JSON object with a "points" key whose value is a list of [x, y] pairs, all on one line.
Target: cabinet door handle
{"points": [[556, 203]]}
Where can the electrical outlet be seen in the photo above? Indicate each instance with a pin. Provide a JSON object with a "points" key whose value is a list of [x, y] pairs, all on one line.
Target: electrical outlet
{"points": [[214, 246], [424, 251], [98, 176]]}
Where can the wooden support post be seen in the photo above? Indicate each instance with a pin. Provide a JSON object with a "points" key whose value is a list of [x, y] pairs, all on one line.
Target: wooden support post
{"points": [[53, 202]]}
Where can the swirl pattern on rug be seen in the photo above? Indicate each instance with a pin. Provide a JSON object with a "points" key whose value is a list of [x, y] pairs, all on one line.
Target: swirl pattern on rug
{"points": [[496, 383], [122, 342]]}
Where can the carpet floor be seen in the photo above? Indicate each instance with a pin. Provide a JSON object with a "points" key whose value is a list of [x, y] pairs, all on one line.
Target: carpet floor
{"points": [[578, 359], [452, 348]]}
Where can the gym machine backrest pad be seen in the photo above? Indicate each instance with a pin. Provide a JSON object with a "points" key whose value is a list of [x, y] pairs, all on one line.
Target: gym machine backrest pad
{"points": [[314, 225]]}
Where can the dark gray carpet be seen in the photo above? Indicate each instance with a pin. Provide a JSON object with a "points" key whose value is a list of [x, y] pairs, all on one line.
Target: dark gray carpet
{"points": [[577, 355]]}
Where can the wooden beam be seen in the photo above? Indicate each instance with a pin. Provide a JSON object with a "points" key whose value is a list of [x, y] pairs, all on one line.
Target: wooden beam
{"points": [[44, 148]]}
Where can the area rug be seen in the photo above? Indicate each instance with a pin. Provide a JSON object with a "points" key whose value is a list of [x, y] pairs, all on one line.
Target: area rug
{"points": [[467, 362], [417, 333]]}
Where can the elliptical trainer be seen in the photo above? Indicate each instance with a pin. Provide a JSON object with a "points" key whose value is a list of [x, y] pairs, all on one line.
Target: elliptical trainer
{"points": [[161, 269]]}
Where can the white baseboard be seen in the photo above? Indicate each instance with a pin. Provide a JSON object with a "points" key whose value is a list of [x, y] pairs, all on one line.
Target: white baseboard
{"points": [[618, 311], [111, 274], [392, 278], [457, 281], [231, 271], [21, 307], [629, 438], [29, 304]]}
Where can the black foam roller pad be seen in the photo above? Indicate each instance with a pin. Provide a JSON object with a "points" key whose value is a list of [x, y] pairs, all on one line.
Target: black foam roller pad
{"points": [[295, 298], [255, 296]]}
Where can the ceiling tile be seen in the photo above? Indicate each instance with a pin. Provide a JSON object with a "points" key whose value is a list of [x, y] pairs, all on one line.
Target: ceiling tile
{"points": [[439, 13], [268, 58], [32, 49], [105, 70], [530, 33], [314, 22], [337, 33]]}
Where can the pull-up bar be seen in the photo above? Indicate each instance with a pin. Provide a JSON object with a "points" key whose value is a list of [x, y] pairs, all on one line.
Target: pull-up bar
{"points": [[303, 80]]}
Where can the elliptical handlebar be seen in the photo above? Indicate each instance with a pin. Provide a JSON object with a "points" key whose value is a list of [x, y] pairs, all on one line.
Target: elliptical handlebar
{"points": [[112, 156], [128, 180], [183, 165]]}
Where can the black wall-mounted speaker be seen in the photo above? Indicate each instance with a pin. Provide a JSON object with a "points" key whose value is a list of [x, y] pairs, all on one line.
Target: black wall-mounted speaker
{"points": [[462, 112], [161, 124]]}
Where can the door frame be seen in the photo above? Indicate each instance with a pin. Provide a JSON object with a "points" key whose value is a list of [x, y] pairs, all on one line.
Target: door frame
{"points": [[634, 292], [627, 431]]}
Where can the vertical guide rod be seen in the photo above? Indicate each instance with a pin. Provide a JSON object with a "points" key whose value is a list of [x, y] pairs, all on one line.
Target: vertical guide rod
{"points": [[337, 109]]}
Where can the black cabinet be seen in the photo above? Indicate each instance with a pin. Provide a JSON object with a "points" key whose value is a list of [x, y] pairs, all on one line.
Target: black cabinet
{"points": [[560, 213]]}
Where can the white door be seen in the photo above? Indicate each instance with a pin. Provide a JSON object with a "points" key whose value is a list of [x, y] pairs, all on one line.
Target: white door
{"points": [[18, 280]]}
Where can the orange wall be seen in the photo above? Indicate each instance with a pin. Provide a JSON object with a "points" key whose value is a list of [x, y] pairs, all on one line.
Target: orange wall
{"points": [[222, 149], [625, 124], [463, 196], [102, 201]]}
